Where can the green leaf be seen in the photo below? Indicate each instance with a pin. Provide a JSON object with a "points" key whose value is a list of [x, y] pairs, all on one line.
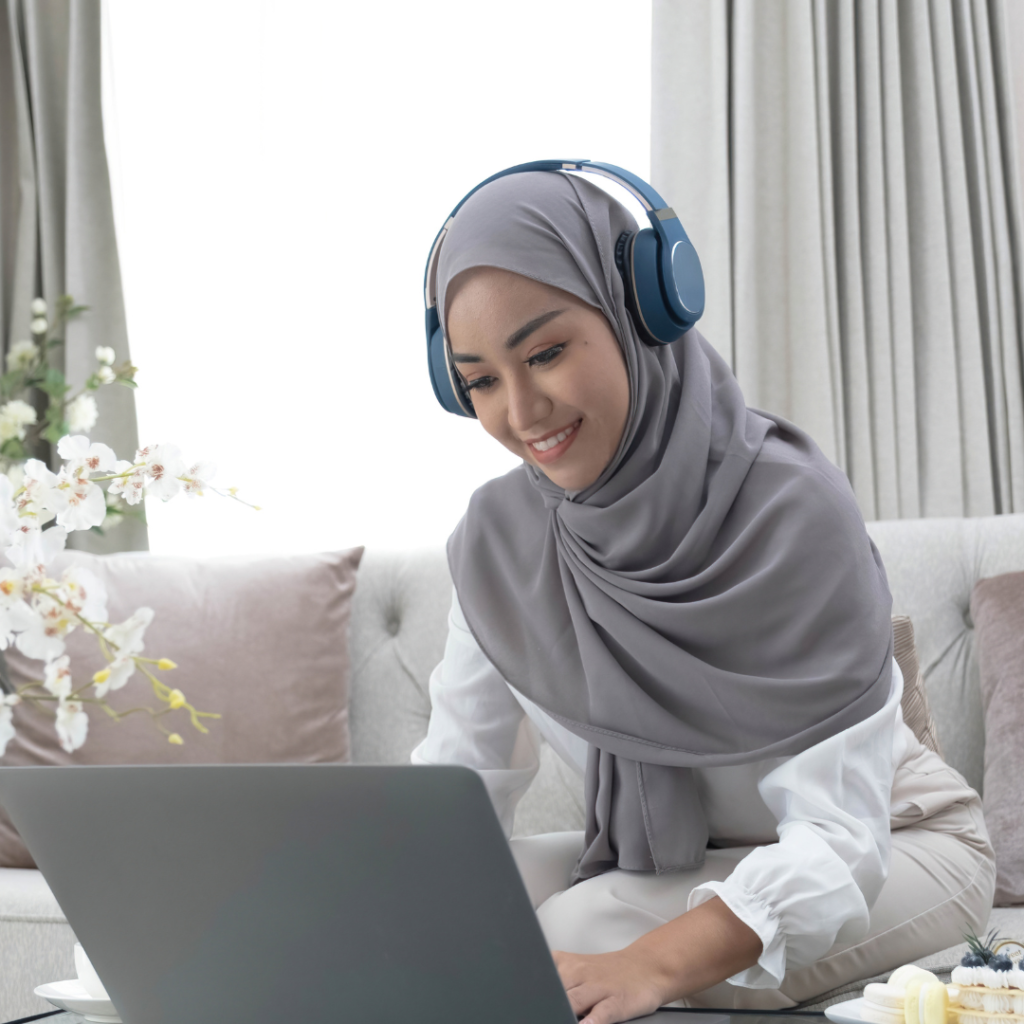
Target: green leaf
{"points": [[54, 383], [54, 342], [74, 311], [11, 382], [127, 383], [13, 449], [54, 431]]}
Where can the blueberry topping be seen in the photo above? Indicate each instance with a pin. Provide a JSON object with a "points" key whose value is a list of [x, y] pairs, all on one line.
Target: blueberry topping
{"points": [[1001, 962], [972, 960]]}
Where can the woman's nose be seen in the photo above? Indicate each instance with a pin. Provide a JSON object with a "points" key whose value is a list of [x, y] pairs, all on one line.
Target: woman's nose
{"points": [[527, 406]]}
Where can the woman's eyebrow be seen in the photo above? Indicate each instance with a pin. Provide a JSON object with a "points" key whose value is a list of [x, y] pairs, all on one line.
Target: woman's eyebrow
{"points": [[528, 328], [514, 339]]}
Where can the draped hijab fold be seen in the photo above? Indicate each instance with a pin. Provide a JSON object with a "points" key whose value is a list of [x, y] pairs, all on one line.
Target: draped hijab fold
{"points": [[711, 599]]}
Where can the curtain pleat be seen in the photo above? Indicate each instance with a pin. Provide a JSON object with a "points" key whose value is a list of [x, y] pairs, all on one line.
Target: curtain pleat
{"points": [[849, 172], [56, 215]]}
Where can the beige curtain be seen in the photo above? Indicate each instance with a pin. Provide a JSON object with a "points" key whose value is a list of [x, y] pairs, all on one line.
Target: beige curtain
{"points": [[848, 171], [56, 219]]}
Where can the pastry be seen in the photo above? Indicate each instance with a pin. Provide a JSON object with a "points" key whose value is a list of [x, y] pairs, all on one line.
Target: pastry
{"points": [[885, 1003], [988, 988]]}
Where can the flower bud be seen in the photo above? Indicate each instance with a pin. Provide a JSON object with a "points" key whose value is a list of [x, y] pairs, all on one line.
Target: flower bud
{"points": [[106, 375], [105, 355], [166, 664], [175, 739], [39, 325], [176, 699], [102, 676], [38, 307]]}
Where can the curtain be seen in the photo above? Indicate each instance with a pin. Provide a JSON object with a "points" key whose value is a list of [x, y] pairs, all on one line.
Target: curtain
{"points": [[56, 218], [848, 171]]}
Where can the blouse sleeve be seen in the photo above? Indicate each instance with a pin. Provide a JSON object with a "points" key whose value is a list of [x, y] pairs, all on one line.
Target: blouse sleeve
{"points": [[476, 721], [816, 885]]}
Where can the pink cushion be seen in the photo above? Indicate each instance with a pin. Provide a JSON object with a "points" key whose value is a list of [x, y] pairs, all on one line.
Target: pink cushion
{"points": [[263, 641], [997, 607]]}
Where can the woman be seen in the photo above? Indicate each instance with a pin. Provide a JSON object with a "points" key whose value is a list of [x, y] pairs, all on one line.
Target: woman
{"points": [[680, 595]]}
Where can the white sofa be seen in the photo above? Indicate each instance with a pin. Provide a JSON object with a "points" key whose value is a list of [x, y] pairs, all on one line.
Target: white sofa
{"points": [[398, 634]]}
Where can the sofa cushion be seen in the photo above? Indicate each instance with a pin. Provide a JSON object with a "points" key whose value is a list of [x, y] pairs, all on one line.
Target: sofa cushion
{"points": [[264, 641], [997, 607], [932, 565], [916, 712]]}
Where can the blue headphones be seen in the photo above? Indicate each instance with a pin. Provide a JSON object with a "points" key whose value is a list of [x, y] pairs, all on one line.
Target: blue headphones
{"points": [[659, 267]]}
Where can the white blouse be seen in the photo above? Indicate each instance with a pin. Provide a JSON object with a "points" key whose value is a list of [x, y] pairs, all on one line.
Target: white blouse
{"points": [[823, 814]]}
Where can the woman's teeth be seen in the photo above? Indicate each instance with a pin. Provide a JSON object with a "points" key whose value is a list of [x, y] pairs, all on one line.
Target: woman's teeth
{"points": [[543, 446]]}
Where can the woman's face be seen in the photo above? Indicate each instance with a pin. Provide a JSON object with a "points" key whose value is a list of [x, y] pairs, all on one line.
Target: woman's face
{"points": [[544, 370]]}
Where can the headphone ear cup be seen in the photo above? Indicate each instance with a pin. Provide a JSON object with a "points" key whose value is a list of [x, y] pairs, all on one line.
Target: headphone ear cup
{"points": [[443, 377], [656, 323]]}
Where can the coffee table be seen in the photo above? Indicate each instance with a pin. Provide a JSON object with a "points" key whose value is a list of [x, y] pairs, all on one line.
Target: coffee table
{"points": [[661, 1017]]}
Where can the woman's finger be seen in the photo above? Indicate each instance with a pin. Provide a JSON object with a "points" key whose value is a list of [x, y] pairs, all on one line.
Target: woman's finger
{"points": [[607, 1011], [584, 997]]}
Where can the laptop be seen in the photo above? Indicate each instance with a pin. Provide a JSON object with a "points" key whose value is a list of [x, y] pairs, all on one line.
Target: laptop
{"points": [[299, 893]]}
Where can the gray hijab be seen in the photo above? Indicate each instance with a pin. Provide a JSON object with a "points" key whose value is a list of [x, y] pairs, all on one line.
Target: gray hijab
{"points": [[712, 599]]}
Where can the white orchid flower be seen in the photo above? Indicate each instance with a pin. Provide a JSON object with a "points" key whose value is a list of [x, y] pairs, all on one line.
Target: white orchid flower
{"points": [[131, 485], [82, 414], [44, 638], [14, 587], [22, 354], [83, 592], [35, 501], [197, 478], [84, 456], [127, 639], [32, 549], [164, 465], [105, 355], [14, 620], [72, 724], [9, 523], [83, 501], [57, 677]]}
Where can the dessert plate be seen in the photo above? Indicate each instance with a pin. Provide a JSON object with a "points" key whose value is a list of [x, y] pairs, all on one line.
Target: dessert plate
{"points": [[72, 996], [847, 1012]]}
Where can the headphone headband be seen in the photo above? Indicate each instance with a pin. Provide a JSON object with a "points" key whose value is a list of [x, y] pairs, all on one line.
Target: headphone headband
{"points": [[667, 305]]}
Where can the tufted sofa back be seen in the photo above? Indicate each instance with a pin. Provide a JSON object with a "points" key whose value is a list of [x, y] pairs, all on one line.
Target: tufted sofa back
{"points": [[399, 625]]}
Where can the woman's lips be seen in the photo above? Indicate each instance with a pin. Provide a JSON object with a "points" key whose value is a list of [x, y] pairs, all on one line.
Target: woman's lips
{"points": [[559, 448]]}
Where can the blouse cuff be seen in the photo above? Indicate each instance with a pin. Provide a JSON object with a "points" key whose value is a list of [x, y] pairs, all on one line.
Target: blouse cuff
{"points": [[757, 915]]}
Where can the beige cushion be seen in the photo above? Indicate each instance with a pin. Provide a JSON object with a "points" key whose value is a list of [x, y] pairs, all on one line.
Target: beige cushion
{"points": [[997, 608], [262, 641], [916, 712]]}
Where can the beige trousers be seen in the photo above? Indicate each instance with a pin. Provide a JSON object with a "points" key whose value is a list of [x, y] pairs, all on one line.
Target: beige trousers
{"points": [[941, 881]]}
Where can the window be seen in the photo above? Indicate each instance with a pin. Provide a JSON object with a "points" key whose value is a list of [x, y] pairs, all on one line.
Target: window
{"points": [[279, 173]]}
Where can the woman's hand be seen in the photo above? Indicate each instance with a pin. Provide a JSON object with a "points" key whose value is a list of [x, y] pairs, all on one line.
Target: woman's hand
{"points": [[704, 946], [609, 987]]}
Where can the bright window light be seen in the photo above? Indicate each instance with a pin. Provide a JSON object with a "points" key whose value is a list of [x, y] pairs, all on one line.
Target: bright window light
{"points": [[279, 173]]}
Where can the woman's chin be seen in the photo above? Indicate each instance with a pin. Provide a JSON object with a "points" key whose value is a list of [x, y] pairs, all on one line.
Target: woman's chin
{"points": [[569, 478]]}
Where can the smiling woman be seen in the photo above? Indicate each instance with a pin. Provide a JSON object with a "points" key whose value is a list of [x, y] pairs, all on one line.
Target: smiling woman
{"points": [[544, 371], [679, 594]]}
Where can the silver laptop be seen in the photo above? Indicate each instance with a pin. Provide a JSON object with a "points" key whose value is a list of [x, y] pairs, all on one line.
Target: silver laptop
{"points": [[299, 893]]}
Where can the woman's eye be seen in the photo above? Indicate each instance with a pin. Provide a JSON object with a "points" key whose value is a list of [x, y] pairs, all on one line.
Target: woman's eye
{"points": [[542, 358], [479, 384]]}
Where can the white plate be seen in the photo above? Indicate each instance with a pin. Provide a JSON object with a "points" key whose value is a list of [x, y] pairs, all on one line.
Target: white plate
{"points": [[847, 1012], [71, 995]]}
